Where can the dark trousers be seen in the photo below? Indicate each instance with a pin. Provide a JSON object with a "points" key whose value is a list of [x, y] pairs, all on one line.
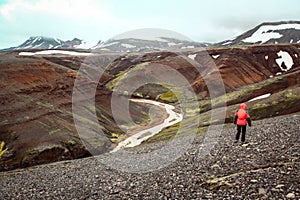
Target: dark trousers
{"points": [[239, 129]]}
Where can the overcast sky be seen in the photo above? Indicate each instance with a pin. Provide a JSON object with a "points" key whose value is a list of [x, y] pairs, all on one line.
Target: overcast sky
{"points": [[94, 20]]}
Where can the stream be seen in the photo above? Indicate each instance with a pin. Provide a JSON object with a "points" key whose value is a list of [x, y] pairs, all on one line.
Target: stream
{"points": [[137, 138]]}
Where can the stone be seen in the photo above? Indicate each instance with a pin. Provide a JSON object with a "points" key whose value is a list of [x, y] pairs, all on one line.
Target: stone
{"points": [[279, 186], [215, 166], [290, 195], [245, 145], [261, 191]]}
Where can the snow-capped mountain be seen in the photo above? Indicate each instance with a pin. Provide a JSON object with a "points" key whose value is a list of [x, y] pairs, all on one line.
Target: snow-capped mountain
{"points": [[145, 40], [148, 39], [143, 45], [268, 33], [40, 42]]}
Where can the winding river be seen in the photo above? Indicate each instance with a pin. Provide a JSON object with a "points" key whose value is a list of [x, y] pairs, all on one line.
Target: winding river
{"points": [[137, 138]]}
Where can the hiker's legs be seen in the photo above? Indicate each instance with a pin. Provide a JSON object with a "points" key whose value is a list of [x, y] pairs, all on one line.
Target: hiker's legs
{"points": [[244, 133], [237, 137]]}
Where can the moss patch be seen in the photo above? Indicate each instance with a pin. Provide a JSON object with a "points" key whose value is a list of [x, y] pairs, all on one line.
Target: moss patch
{"points": [[171, 96], [124, 74]]}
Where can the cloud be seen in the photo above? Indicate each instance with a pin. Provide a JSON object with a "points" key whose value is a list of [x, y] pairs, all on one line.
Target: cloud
{"points": [[67, 8], [90, 19]]}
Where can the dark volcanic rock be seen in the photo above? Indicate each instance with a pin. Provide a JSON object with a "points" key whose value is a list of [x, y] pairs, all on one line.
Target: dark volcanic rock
{"points": [[267, 167]]}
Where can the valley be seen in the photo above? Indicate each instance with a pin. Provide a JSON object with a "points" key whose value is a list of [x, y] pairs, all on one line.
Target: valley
{"points": [[38, 91], [140, 118]]}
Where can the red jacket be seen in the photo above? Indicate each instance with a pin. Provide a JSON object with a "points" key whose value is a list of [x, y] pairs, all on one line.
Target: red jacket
{"points": [[241, 116]]}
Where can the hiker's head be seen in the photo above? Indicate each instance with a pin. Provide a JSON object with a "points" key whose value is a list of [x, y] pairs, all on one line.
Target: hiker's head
{"points": [[243, 106]]}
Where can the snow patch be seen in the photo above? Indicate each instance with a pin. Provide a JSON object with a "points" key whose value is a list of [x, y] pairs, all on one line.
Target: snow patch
{"points": [[291, 41], [278, 73], [171, 44], [36, 46], [57, 40], [265, 33], [296, 55], [36, 39], [47, 52], [260, 97], [107, 45], [286, 59], [229, 42], [129, 46], [85, 45], [192, 56], [188, 47], [27, 47], [266, 57], [215, 56], [271, 76]]}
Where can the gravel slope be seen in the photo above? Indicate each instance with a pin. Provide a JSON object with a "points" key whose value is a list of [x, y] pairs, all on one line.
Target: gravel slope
{"points": [[267, 167]]}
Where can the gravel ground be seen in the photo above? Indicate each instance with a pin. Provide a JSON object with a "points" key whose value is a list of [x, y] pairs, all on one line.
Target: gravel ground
{"points": [[266, 167]]}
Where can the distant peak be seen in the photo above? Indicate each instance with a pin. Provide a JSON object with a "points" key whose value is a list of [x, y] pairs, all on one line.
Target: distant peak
{"points": [[40, 37], [42, 42], [280, 22], [151, 34], [268, 33], [76, 39]]}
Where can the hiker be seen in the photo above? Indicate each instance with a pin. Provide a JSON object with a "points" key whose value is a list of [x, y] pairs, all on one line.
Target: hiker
{"points": [[241, 119]]}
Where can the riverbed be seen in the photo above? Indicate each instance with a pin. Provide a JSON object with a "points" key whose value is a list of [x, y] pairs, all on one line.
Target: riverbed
{"points": [[137, 138]]}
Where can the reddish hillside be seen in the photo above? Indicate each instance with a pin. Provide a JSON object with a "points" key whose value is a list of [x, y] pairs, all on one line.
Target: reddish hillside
{"points": [[36, 119]]}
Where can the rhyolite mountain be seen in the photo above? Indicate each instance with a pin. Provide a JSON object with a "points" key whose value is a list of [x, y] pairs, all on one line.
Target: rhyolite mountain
{"points": [[41, 42], [268, 33]]}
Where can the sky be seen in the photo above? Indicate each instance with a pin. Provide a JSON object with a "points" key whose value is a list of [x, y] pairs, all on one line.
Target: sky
{"points": [[94, 20]]}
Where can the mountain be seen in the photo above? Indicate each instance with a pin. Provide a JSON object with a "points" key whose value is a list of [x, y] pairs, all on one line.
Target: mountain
{"points": [[130, 44], [142, 45], [40, 42], [149, 39], [268, 33]]}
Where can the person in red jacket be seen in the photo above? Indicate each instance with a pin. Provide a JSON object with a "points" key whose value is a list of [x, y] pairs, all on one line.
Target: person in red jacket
{"points": [[241, 119]]}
